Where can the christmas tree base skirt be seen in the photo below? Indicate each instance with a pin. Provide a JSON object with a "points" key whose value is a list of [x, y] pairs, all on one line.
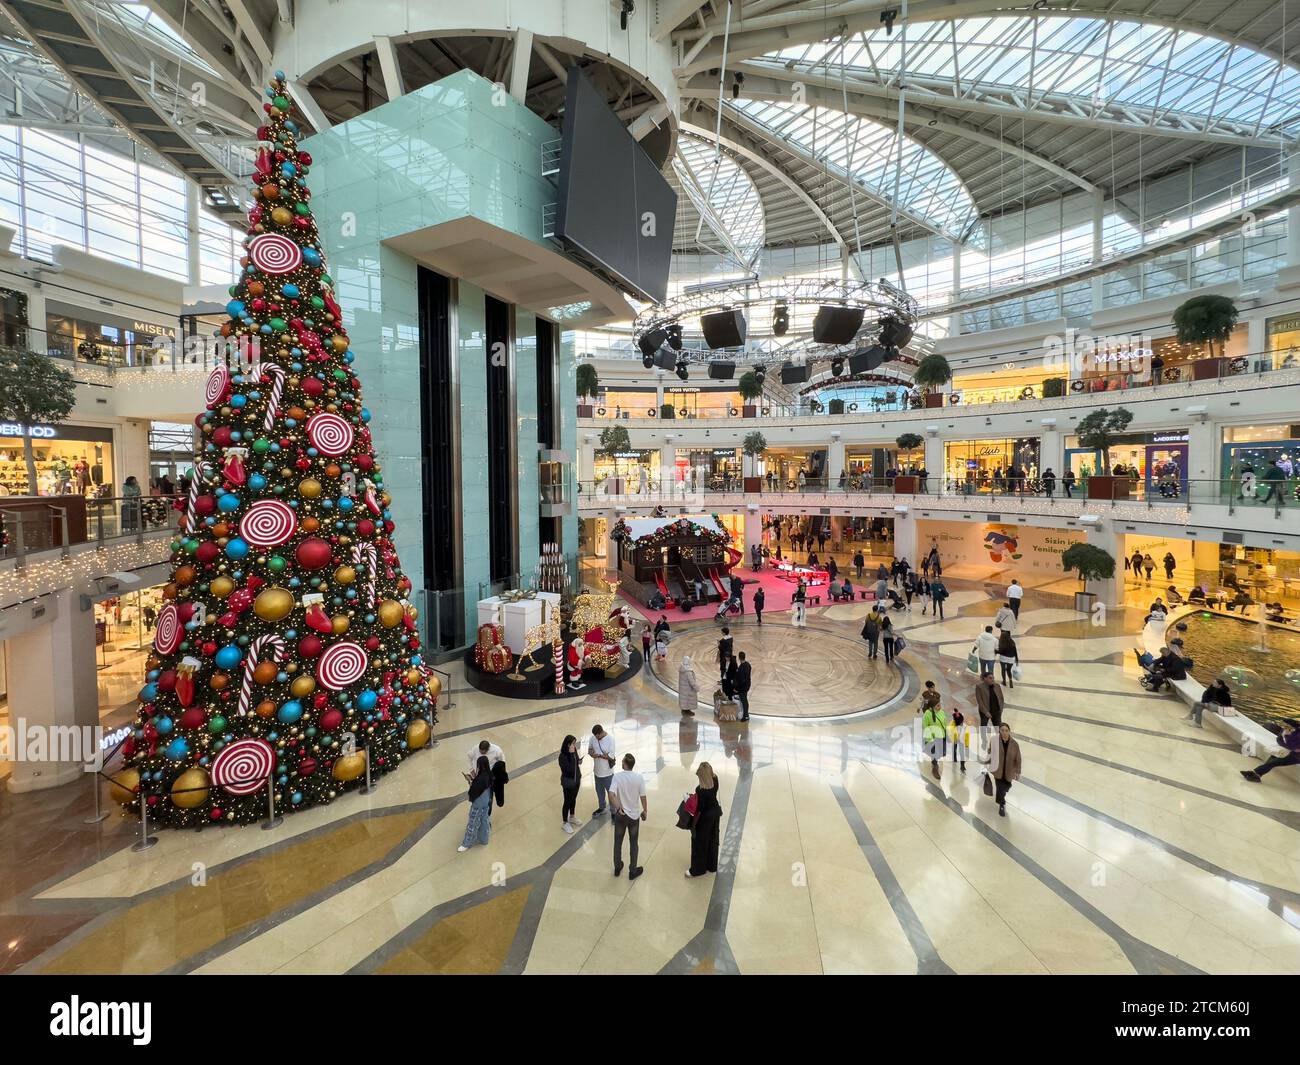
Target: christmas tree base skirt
{"points": [[540, 684]]}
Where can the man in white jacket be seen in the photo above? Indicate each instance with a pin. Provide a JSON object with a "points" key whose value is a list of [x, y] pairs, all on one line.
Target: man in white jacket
{"points": [[986, 646]]}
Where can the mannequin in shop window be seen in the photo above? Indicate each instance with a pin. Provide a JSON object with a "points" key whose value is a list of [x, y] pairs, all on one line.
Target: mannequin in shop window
{"points": [[80, 476]]}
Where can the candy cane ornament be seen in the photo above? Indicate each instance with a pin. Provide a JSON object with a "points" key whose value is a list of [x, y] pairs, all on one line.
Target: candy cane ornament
{"points": [[194, 495], [367, 555], [276, 644], [277, 388]]}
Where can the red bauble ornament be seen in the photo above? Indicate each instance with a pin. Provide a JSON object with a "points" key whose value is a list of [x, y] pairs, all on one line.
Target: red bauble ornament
{"points": [[313, 386], [207, 552], [364, 462], [372, 643], [314, 553], [221, 436], [331, 719], [309, 646], [167, 680], [205, 505], [307, 767], [365, 528], [193, 718], [209, 649]]}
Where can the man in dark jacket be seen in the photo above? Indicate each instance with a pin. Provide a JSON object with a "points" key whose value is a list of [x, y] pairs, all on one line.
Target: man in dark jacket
{"points": [[1290, 743], [871, 633], [741, 683], [760, 598], [724, 652]]}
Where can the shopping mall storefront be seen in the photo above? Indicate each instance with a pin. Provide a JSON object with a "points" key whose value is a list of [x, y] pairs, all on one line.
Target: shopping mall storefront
{"points": [[1155, 462], [70, 459], [687, 401], [1283, 338], [987, 465], [79, 333], [1249, 451]]}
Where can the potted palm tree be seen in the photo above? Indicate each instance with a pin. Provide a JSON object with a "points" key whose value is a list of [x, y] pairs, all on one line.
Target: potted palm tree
{"points": [[750, 389], [908, 444], [1097, 432], [588, 385], [614, 441], [1203, 320], [932, 373], [1092, 564], [754, 446], [836, 406]]}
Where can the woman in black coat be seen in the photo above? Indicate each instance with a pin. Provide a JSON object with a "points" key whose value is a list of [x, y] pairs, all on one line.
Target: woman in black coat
{"points": [[706, 825], [570, 781]]}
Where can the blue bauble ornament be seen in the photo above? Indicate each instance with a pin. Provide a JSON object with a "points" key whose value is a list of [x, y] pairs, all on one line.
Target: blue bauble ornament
{"points": [[178, 749], [290, 712], [229, 656], [228, 502], [237, 548], [367, 699]]}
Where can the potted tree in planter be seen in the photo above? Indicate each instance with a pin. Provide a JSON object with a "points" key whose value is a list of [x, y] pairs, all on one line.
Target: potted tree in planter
{"points": [[588, 386], [932, 373], [1097, 431], [1203, 320], [614, 441], [909, 484], [1053, 387], [668, 411], [754, 446], [750, 389], [1092, 564], [836, 406]]}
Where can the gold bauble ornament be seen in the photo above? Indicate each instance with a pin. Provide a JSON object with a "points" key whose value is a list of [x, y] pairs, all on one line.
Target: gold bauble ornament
{"points": [[273, 603], [412, 678], [345, 575], [417, 734], [349, 767], [340, 623], [282, 216], [302, 686], [309, 488], [190, 789], [434, 684], [390, 613], [124, 785], [265, 708], [221, 587]]}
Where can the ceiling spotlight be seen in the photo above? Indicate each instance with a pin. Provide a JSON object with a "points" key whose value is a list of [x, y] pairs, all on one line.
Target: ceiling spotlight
{"points": [[760, 371], [628, 8], [648, 361], [652, 341], [780, 319], [887, 17], [894, 332], [675, 336], [837, 367], [735, 85], [682, 372]]}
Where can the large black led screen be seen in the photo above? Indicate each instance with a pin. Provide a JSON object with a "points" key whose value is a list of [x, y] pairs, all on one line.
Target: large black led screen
{"points": [[615, 207]]}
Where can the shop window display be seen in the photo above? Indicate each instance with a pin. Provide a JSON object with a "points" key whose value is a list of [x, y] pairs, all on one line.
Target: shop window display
{"points": [[1249, 454], [1156, 463], [65, 465], [992, 465]]}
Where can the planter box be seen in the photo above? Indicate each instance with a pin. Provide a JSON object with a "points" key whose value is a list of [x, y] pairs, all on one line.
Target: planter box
{"points": [[586, 410], [1205, 369], [1108, 487], [749, 411], [1083, 602], [908, 485], [753, 484], [934, 399]]}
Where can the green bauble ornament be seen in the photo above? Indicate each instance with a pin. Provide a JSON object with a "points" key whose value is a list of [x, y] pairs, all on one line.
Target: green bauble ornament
{"points": [[261, 445], [217, 725], [278, 324], [275, 564]]}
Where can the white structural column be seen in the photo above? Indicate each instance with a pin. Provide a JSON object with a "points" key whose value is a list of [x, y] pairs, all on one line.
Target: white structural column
{"points": [[905, 537], [667, 465], [1098, 244], [834, 460], [954, 320], [587, 459], [934, 462], [390, 67], [53, 697], [753, 531], [1292, 215], [520, 61], [1051, 453], [1111, 592], [1202, 457], [659, 391], [194, 262]]}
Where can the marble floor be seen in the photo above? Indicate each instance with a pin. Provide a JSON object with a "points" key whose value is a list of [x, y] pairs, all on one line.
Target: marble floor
{"points": [[1131, 842]]}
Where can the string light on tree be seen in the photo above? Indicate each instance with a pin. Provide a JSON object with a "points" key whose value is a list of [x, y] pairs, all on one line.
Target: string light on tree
{"points": [[290, 636]]}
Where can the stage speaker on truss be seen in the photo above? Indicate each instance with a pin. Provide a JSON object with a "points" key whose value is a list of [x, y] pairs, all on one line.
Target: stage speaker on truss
{"points": [[792, 374], [666, 359], [780, 318], [723, 329], [836, 325], [675, 336], [722, 371], [652, 341], [894, 332], [864, 360]]}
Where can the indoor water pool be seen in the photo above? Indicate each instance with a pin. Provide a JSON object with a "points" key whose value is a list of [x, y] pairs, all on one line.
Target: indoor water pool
{"points": [[1265, 685]]}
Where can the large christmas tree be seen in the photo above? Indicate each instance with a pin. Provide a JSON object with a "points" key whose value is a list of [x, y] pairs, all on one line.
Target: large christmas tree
{"points": [[287, 647]]}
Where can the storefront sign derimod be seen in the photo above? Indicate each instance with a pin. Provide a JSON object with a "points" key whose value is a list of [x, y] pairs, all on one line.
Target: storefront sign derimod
{"points": [[44, 431]]}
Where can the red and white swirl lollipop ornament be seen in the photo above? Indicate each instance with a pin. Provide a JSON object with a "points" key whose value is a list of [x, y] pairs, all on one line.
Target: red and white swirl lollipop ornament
{"points": [[243, 767], [329, 434], [342, 664], [218, 387], [169, 630], [251, 660], [276, 373], [273, 253], [268, 523]]}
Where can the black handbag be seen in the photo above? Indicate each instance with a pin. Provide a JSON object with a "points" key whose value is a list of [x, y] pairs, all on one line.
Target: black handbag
{"points": [[684, 819]]}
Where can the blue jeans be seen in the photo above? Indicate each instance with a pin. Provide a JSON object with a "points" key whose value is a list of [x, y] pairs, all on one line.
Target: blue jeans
{"points": [[986, 666], [479, 827], [602, 790]]}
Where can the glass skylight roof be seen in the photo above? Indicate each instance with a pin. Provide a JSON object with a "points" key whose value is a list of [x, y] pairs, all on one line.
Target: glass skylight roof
{"points": [[927, 187], [1155, 71], [728, 190]]}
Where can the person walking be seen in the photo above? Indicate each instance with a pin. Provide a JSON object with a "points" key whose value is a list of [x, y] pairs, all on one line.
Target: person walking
{"points": [[1067, 483], [986, 649], [1170, 564], [1148, 565], [729, 679], [130, 505], [742, 681], [882, 590], [760, 600], [1049, 482], [1135, 564], [923, 592], [1015, 593], [938, 593], [858, 563], [646, 640], [628, 798], [934, 733], [832, 567], [888, 637], [798, 609], [706, 824], [871, 633], [1275, 482], [1008, 657], [688, 688], [725, 648], [989, 700], [663, 629], [1006, 618], [570, 781], [959, 736], [600, 748], [1004, 765], [478, 828]]}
